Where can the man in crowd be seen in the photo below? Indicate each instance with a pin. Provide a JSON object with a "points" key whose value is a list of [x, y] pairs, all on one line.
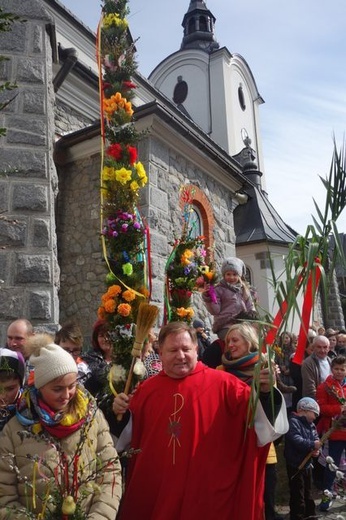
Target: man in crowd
{"points": [[316, 367], [18, 333], [201, 455]]}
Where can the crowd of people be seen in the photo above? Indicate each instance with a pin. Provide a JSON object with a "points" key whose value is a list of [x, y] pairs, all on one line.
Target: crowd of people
{"points": [[201, 429]]}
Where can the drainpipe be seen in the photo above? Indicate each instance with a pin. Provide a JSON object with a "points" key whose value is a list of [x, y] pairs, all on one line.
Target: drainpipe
{"points": [[69, 58]]}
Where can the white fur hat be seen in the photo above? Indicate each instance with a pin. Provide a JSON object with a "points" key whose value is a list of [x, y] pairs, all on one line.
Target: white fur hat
{"points": [[49, 361], [233, 264]]}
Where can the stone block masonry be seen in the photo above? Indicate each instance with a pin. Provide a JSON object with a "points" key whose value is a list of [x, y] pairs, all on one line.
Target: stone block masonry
{"points": [[29, 271]]}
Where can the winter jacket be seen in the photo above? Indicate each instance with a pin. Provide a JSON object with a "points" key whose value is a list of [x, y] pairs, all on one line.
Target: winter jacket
{"points": [[230, 303], [96, 379], [96, 448], [299, 440], [327, 396], [311, 375]]}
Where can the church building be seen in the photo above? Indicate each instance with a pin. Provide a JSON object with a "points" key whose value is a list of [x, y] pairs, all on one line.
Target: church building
{"points": [[200, 107]]}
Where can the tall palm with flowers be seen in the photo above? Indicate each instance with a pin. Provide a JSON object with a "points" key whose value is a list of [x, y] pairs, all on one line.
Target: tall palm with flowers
{"points": [[187, 269], [124, 233]]}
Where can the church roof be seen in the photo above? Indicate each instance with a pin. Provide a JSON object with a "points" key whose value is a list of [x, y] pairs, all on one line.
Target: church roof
{"points": [[258, 221]]}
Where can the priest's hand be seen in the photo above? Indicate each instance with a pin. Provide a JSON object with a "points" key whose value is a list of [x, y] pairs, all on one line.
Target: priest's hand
{"points": [[121, 403]]}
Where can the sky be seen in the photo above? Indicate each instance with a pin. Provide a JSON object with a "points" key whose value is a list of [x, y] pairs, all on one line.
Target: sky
{"points": [[297, 53]]}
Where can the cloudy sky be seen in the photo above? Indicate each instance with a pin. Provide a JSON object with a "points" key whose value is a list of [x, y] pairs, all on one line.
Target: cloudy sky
{"points": [[297, 52]]}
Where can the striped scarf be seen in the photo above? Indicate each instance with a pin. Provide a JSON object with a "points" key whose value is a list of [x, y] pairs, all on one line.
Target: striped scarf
{"points": [[242, 368]]}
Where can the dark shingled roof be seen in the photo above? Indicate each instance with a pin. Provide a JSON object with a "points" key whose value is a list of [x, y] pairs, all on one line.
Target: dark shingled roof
{"points": [[258, 221]]}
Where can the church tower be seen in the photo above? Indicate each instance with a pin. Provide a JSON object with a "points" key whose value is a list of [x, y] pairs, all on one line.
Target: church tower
{"points": [[214, 87]]}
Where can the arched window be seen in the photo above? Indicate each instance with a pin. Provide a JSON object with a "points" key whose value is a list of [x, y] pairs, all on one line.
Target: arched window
{"points": [[192, 26], [203, 24], [202, 217], [196, 226], [248, 276]]}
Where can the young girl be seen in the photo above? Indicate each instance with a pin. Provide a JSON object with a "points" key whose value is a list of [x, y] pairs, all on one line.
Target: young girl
{"points": [[57, 458], [230, 298], [331, 396]]}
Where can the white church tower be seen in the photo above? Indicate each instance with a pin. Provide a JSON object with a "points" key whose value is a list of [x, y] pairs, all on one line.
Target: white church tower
{"points": [[215, 88]]}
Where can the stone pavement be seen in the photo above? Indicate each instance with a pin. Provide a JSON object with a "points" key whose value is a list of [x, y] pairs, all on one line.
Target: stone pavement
{"points": [[336, 512]]}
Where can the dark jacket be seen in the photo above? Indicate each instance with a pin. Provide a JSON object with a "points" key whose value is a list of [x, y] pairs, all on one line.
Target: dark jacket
{"points": [[299, 440]]}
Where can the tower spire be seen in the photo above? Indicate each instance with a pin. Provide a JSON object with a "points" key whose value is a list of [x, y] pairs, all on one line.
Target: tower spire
{"points": [[198, 24]]}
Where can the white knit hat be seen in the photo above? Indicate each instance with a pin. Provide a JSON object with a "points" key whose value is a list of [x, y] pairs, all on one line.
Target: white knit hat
{"points": [[50, 362], [233, 264]]}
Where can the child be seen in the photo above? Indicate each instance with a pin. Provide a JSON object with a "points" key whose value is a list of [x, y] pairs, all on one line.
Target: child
{"points": [[301, 440], [230, 298], [202, 338], [331, 397], [70, 338], [12, 370], [57, 453]]}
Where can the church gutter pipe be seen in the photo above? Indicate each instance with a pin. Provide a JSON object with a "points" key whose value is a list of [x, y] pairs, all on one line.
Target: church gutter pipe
{"points": [[69, 57]]}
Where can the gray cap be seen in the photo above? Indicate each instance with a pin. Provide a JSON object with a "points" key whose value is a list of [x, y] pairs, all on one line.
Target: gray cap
{"points": [[197, 323], [308, 404]]}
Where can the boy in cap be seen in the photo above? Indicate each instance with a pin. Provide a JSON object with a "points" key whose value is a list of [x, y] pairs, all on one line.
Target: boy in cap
{"points": [[301, 440], [230, 298], [202, 338], [12, 370]]}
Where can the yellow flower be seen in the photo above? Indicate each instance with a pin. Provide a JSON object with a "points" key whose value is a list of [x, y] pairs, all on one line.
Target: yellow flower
{"points": [[186, 257], [124, 309], [123, 175], [134, 186], [116, 102], [190, 312], [108, 173], [140, 170], [143, 180], [181, 312], [129, 295], [113, 19]]}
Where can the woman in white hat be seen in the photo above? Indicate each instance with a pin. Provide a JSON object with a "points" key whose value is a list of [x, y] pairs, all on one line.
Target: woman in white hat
{"points": [[57, 454]]}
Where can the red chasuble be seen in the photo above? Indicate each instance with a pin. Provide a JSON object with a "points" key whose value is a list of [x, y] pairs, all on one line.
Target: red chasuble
{"points": [[197, 461]]}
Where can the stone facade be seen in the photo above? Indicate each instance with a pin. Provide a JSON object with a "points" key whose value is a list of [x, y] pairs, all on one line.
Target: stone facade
{"points": [[28, 180]]}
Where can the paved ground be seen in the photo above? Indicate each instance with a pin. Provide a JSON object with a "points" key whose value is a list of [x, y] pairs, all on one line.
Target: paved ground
{"points": [[336, 512]]}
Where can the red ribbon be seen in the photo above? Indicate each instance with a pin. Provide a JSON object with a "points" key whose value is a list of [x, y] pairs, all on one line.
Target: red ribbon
{"points": [[309, 298], [270, 337], [308, 302]]}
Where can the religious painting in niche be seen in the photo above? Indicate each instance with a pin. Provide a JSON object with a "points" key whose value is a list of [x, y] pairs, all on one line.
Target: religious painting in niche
{"points": [[195, 223]]}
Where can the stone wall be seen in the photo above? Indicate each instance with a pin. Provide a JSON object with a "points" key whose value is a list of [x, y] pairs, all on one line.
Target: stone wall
{"points": [[83, 270], [68, 120], [28, 181]]}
